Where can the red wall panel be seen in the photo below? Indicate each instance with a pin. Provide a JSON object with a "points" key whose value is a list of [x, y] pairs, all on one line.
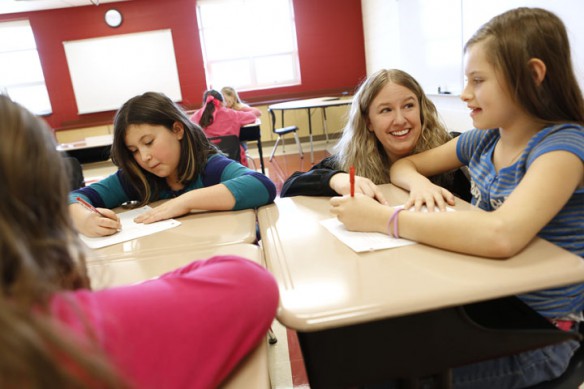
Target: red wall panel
{"points": [[330, 44]]}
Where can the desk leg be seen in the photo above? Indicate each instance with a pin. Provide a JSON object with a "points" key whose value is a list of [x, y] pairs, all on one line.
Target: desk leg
{"points": [[261, 156], [310, 137], [324, 124]]}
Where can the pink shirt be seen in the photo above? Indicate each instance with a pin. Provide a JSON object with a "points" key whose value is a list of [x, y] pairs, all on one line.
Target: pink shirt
{"points": [[186, 329], [227, 121]]}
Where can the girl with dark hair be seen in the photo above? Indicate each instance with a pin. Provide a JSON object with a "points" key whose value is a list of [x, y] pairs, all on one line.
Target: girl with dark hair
{"points": [[161, 154], [217, 120], [188, 328]]}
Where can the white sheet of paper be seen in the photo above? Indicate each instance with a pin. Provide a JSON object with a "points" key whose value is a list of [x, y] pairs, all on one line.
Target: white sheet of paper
{"points": [[366, 241], [130, 229], [362, 241]]}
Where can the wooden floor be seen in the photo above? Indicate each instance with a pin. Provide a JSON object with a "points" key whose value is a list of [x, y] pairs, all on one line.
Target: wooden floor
{"points": [[284, 164]]}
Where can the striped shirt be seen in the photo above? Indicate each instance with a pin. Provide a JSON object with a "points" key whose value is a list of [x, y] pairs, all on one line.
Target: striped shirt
{"points": [[490, 189]]}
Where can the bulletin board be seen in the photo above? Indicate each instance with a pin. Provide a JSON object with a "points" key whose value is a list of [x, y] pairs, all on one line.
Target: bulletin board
{"points": [[107, 71]]}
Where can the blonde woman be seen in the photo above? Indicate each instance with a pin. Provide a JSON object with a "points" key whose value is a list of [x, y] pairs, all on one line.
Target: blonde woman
{"points": [[390, 118]]}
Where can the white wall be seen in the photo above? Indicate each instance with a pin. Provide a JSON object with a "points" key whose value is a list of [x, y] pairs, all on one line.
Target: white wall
{"points": [[382, 35], [425, 38]]}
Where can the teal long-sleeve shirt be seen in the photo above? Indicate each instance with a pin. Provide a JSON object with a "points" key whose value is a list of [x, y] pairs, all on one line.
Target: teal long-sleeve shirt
{"points": [[250, 189]]}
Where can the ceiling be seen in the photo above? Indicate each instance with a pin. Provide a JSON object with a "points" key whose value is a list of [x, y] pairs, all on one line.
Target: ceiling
{"points": [[14, 6]]}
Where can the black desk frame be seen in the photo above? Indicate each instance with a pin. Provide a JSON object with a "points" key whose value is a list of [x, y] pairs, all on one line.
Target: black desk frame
{"points": [[253, 133], [423, 345]]}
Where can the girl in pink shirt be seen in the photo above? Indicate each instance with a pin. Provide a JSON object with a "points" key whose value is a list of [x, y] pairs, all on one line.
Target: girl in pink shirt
{"points": [[188, 328], [217, 120]]}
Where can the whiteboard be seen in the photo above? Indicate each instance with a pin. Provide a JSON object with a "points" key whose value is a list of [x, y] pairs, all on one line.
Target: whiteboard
{"points": [[108, 71], [433, 33]]}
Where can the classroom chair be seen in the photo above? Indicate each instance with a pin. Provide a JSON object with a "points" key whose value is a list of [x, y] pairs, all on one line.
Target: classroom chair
{"points": [[229, 145], [74, 172], [281, 132]]}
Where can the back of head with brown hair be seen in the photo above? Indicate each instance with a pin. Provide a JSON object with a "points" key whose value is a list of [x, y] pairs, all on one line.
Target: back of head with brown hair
{"points": [[41, 255]]}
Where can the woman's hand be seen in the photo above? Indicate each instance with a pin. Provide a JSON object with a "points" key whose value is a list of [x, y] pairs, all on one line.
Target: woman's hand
{"points": [[361, 213], [341, 183], [430, 195], [168, 210]]}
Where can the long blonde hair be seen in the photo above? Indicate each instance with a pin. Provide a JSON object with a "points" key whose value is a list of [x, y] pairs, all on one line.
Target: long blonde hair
{"points": [[360, 148]]}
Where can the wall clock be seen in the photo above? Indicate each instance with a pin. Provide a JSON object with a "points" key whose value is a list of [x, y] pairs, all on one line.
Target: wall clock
{"points": [[113, 18]]}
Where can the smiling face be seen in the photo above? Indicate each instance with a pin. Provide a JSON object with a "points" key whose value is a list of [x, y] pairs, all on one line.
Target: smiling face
{"points": [[394, 117], [485, 93], [156, 148]]}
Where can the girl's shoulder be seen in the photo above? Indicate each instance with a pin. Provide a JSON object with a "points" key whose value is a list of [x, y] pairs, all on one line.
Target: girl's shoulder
{"points": [[567, 137]]}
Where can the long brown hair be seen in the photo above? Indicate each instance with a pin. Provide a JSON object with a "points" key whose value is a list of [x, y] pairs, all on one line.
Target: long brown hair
{"points": [[511, 40], [207, 117], [41, 254], [40, 250], [157, 109], [35, 355], [360, 148]]}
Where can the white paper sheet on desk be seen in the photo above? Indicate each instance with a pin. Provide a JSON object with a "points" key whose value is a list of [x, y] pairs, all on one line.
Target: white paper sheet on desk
{"points": [[366, 241], [362, 241], [130, 229]]}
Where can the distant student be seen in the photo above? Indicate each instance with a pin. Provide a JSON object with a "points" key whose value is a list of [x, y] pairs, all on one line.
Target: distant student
{"points": [[526, 159], [217, 120], [390, 118], [161, 154], [233, 101], [188, 328]]}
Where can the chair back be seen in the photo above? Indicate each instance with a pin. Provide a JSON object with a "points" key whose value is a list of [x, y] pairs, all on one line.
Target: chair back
{"points": [[229, 145], [74, 172]]}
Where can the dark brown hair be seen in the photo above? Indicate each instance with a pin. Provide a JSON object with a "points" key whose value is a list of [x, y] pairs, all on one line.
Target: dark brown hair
{"points": [[207, 116], [157, 109]]}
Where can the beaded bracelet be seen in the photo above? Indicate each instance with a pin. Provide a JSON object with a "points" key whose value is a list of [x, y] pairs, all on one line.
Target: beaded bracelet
{"points": [[393, 220]]}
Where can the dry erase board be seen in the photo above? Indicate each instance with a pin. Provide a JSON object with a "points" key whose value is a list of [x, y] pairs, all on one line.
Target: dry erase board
{"points": [[107, 71], [433, 32]]}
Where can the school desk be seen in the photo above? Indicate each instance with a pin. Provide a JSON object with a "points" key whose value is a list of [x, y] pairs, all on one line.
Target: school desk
{"points": [[91, 149], [253, 371], [197, 230], [309, 104], [404, 312]]}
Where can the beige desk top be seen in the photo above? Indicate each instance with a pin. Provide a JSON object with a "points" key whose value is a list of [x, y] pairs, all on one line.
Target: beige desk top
{"points": [[324, 284], [144, 266], [88, 143], [197, 230]]}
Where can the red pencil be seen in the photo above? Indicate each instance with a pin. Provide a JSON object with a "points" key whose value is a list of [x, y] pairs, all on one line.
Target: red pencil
{"points": [[88, 206], [352, 180]]}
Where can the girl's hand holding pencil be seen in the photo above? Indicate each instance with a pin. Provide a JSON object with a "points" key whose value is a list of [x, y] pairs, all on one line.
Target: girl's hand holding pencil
{"points": [[102, 222]]}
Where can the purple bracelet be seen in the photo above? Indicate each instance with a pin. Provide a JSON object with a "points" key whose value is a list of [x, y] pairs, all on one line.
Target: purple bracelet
{"points": [[393, 219]]}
